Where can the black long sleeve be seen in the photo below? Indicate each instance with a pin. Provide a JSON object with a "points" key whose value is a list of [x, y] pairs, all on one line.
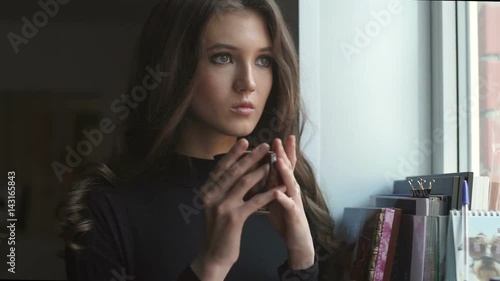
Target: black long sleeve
{"points": [[308, 274], [154, 230], [188, 275], [103, 256], [284, 273]]}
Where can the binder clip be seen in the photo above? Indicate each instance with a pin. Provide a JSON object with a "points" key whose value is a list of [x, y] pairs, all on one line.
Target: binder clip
{"points": [[421, 191]]}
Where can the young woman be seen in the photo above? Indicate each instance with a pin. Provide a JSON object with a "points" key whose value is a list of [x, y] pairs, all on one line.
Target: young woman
{"points": [[226, 82]]}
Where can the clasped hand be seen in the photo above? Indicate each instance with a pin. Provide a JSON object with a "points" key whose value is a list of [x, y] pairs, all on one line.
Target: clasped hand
{"points": [[225, 210]]}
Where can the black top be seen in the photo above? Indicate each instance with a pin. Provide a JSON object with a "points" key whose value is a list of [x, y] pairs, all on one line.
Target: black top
{"points": [[153, 230]]}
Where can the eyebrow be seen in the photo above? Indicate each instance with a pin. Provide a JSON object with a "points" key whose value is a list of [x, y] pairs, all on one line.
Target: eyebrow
{"points": [[231, 47]]}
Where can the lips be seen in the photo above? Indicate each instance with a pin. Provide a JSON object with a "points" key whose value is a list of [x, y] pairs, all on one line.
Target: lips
{"points": [[245, 104], [245, 108]]}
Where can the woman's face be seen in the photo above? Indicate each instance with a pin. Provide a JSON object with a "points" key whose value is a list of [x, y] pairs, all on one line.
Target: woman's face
{"points": [[233, 79]]}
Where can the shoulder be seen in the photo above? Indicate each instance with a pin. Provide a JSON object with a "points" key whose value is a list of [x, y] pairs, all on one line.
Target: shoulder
{"points": [[101, 194], [116, 200], [107, 194], [107, 203], [100, 201]]}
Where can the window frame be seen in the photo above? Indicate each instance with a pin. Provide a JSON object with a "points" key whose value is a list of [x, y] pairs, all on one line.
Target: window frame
{"points": [[456, 64], [445, 87]]}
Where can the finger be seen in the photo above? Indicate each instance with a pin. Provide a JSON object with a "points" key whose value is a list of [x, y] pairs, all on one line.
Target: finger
{"points": [[288, 178], [230, 158], [233, 173], [248, 181], [290, 149], [214, 177], [280, 151], [286, 202], [260, 200]]}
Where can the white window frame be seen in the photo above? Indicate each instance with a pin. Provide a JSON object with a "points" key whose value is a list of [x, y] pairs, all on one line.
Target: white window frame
{"points": [[444, 86], [468, 87], [456, 81], [471, 97]]}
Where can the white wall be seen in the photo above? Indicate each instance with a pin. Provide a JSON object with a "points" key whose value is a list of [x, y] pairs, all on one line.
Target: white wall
{"points": [[371, 110]]}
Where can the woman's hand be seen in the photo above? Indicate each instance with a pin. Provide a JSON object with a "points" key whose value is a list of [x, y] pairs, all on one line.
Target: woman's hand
{"points": [[226, 211], [287, 213]]}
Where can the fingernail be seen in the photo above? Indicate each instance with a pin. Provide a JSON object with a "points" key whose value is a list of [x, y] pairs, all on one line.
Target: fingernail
{"points": [[263, 146]]}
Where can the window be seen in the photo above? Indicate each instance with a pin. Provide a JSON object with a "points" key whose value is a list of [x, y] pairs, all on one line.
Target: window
{"points": [[479, 87]]}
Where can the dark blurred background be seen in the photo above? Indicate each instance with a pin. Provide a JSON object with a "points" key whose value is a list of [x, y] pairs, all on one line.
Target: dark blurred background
{"points": [[53, 86]]}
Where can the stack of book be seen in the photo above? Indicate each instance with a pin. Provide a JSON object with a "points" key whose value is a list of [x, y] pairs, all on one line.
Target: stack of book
{"points": [[410, 235], [370, 235]]}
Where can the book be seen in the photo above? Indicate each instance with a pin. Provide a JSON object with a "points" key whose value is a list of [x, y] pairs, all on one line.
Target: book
{"points": [[432, 206], [421, 249], [430, 249], [443, 185], [483, 258], [442, 235], [370, 235], [446, 184]]}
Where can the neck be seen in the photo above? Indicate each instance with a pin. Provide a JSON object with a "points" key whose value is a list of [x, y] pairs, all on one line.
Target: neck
{"points": [[202, 142]]}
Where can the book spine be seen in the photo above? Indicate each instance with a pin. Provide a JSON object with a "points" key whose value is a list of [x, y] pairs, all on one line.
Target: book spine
{"points": [[442, 246], [418, 248], [385, 238], [391, 251], [430, 261], [401, 269], [375, 247]]}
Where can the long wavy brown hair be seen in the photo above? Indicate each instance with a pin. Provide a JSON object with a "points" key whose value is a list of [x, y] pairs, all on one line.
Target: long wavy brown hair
{"points": [[170, 41]]}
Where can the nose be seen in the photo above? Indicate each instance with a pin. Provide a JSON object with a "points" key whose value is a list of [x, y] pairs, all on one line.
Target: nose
{"points": [[245, 80]]}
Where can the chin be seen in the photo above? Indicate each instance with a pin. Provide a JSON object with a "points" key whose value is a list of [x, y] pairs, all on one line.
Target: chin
{"points": [[485, 268], [241, 130]]}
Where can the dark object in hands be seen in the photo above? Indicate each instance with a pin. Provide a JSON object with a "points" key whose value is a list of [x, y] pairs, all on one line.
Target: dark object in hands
{"points": [[273, 179]]}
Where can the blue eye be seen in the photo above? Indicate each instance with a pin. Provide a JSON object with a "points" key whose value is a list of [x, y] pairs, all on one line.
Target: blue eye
{"points": [[221, 58]]}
